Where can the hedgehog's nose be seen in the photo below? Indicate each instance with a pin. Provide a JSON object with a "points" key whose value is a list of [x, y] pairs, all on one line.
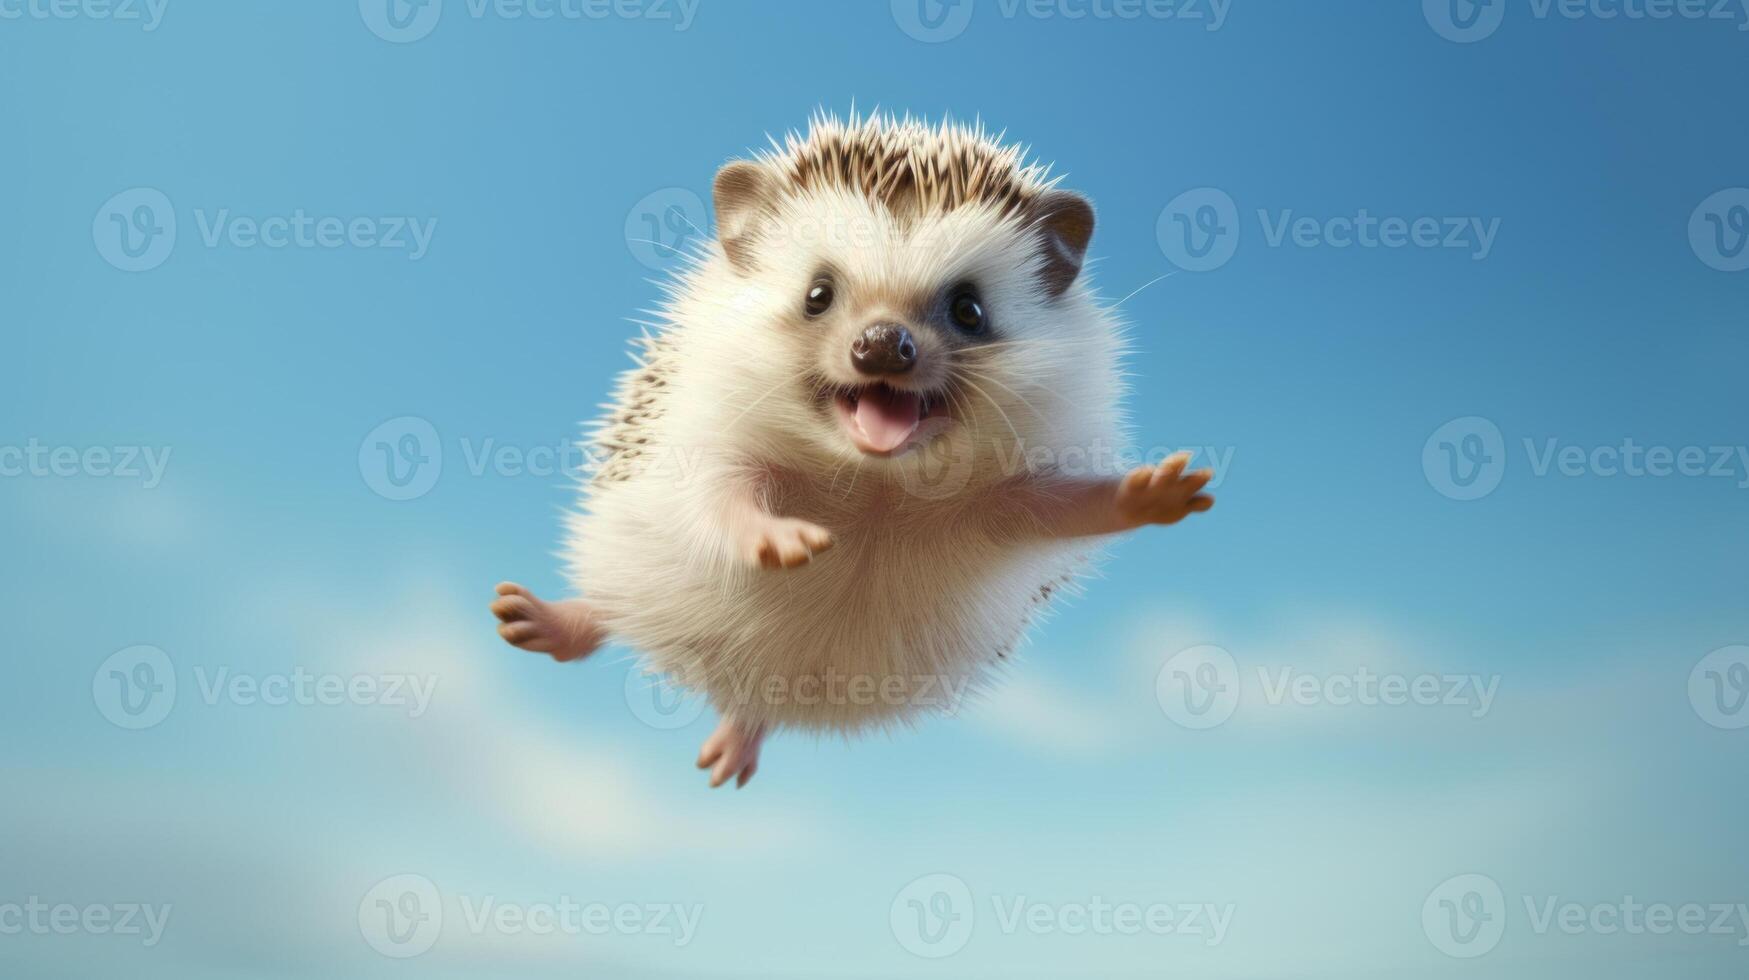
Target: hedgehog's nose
{"points": [[885, 348]]}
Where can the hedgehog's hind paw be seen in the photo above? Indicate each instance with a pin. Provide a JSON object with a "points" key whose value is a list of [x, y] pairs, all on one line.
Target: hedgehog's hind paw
{"points": [[567, 630], [732, 750]]}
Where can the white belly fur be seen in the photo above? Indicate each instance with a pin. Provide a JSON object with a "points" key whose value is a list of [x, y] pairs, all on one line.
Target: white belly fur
{"points": [[882, 627]]}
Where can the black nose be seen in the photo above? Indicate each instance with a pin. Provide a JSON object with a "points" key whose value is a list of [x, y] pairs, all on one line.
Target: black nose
{"points": [[885, 348]]}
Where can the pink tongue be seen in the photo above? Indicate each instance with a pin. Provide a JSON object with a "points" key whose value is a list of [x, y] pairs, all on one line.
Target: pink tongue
{"points": [[887, 417]]}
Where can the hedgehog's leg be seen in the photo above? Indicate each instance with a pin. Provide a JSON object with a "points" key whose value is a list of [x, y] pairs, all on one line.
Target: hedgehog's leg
{"points": [[567, 630], [732, 750]]}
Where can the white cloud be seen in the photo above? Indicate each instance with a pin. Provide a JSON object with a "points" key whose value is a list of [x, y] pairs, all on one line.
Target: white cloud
{"points": [[577, 794], [1046, 718]]}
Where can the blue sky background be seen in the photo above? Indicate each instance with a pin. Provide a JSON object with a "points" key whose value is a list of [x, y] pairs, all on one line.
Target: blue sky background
{"points": [[1606, 766]]}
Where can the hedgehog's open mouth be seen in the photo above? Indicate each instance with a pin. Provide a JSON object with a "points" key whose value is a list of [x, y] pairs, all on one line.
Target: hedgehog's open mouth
{"points": [[880, 419]]}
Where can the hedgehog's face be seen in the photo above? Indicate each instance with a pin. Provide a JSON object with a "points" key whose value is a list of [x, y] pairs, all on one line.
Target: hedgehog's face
{"points": [[947, 330]]}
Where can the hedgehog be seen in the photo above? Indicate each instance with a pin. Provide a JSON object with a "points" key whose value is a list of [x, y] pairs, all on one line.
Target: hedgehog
{"points": [[859, 452]]}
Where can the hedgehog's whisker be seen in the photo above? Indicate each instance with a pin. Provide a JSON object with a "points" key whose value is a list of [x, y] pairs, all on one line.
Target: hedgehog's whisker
{"points": [[1047, 348], [853, 475], [682, 215], [1138, 289], [1062, 399], [774, 389], [964, 408], [962, 411], [992, 380], [835, 471], [1018, 342], [998, 407], [664, 246]]}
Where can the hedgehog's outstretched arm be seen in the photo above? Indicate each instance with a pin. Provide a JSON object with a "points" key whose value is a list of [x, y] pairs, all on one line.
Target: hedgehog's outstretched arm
{"points": [[1163, 494]]}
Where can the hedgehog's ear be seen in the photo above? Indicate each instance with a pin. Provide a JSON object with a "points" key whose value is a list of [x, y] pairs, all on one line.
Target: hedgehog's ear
{"points": [[743, 191], [1065, 223]]}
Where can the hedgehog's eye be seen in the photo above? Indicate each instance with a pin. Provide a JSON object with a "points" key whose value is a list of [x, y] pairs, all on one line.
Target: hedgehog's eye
{"points": [[967, 311], [819, 298]]}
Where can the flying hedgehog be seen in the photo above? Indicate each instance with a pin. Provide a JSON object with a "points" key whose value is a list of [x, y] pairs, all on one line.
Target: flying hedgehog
{"points": [[852, 462]]}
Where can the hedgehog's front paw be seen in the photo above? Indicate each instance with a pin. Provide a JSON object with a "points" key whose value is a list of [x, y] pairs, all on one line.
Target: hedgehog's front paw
{"points": [[1163, 494], [732, 750], [785, 542], [564, 630]]}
